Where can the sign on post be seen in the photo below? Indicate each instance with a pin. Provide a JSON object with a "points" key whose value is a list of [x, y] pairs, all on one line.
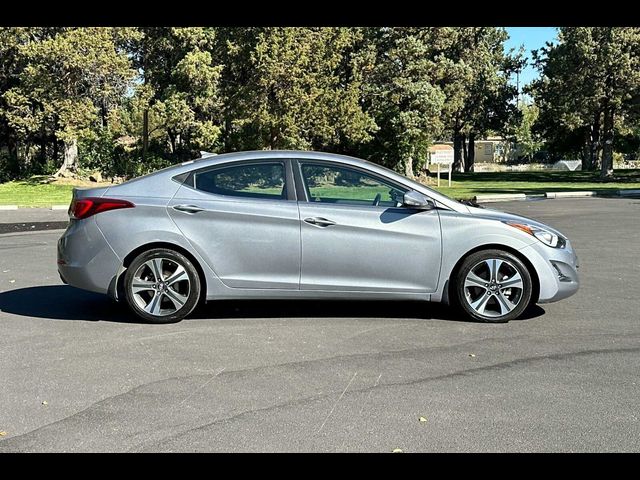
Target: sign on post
{"points": [[442, 157]]}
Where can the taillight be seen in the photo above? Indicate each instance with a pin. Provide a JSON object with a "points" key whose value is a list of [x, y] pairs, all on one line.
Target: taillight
{"points": [[85, 207]]}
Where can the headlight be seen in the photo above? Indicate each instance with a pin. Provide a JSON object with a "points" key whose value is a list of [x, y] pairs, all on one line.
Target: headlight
{"points": [[545, 236]]}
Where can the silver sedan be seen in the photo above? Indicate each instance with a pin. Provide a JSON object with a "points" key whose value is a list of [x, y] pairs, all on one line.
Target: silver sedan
{"points": [[304, 225]]}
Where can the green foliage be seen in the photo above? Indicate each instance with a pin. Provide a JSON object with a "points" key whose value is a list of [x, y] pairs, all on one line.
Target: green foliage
{"points": [[181, 88], [590, 80], [6, 167], [69, 80], [71, 75], [101, 152], [528, 142], [402, 95], [134, 99], [297, 88], [426, 84]]}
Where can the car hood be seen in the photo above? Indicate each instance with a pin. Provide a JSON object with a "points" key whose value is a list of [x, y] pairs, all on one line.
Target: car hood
{"points": [[500, 216]]}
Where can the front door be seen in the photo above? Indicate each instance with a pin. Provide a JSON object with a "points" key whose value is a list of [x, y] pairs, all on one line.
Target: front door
{"points": [[356, 236], [241, 221]]}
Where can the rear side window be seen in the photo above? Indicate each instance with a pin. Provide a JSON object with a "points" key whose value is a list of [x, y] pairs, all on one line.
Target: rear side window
{"points": [[264, 180]]}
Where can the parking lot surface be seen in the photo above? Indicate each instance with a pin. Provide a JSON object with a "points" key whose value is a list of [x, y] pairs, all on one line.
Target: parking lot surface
{"points": [[79, 373]]}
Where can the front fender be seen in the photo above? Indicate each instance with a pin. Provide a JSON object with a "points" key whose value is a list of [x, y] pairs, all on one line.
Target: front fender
{"points": [[462, 234]]}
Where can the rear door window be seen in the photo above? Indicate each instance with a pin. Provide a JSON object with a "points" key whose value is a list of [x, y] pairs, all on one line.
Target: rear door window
{"points": [[259, 180]]}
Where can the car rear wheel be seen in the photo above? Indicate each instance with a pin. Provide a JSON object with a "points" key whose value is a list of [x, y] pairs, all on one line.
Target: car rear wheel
{"points": [[493, 286], [162, 286]]}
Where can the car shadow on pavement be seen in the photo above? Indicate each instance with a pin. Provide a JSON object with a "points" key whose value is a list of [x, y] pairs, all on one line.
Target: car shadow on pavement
{"points": [[337, 309], [62, 302]]}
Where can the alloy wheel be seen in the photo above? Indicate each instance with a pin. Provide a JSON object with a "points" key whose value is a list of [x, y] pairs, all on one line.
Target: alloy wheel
{"points": [[160, 286], [493, 287]]}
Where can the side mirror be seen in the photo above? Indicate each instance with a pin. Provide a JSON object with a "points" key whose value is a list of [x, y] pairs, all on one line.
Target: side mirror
{"points": [[413, 199]]}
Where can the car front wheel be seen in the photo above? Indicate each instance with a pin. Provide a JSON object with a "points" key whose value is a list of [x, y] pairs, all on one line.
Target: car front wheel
{"points": [[493, 286], [162, 286]]}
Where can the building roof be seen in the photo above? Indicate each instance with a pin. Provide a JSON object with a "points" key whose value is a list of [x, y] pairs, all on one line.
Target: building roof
{"points": [[439, 147]]}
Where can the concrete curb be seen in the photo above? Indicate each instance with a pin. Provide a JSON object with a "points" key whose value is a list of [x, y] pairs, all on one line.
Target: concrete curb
{"points": [[571, 194], [500, 197], [593, 193], [18, 234], [43, 207]]}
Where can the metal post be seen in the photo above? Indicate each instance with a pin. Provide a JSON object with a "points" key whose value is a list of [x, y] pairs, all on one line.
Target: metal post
{"points": [[449, 174], [438, 174]]}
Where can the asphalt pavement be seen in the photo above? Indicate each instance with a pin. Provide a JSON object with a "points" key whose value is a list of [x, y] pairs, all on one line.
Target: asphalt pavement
{"points": [[32, 220], [79, 373]]}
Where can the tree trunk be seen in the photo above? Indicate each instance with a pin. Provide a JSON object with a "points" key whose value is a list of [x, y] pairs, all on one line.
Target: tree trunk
{"points": [[408, 167], [606, 168], [12, 147], [104, 113], [586, 156], [273, 138], [145, 133], [42, 154], [226, 134], [23, 156], [172, 141], [587, 152], [457, 152], [471, 156], [464, 150], [594, 142], [55, 149], [70, 160], [598, 158]]}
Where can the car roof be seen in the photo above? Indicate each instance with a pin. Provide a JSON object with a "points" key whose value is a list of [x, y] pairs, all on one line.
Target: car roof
{"points": [[264, 155], [275, 154]]}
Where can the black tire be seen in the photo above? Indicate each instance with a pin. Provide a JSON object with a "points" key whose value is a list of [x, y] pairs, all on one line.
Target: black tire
{"points": [[169, 296], [498, 298]]}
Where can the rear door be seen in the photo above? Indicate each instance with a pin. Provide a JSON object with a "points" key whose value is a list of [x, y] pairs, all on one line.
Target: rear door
{"points": [[356, 236], [243, 219]]}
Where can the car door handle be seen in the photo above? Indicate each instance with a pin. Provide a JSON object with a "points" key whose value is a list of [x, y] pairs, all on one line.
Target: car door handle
{"points": [[319, 221], [188, 208]]}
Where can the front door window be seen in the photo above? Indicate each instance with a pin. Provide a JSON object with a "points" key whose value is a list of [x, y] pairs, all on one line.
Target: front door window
{"points": [[343, 185]]}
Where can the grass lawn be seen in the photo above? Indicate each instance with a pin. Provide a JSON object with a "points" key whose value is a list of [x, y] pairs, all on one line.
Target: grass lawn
{"points": [[32, 193], [25, 194], [468, 185]]}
